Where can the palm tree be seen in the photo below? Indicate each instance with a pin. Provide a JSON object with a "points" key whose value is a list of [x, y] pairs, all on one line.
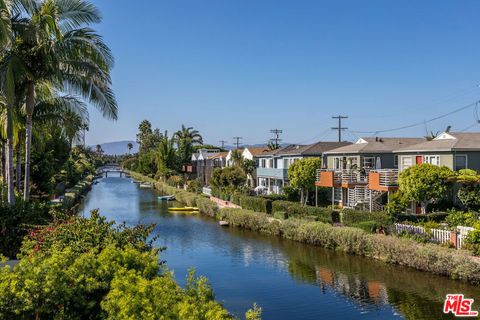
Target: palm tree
{"points": [[58, 47], [129, 146], [99, 149], [166, 155], [186, 138]]}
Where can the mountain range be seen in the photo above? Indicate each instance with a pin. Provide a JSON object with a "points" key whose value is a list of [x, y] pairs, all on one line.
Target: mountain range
{"points": [[118, 147]]}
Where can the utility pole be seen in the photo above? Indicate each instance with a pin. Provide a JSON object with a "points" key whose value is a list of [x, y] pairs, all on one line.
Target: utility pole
{"points": [[276, 136], [340, 128], [223, 143], [237, 143]]}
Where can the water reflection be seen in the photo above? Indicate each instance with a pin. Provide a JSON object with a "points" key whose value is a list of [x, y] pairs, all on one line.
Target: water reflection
{"points": [[289, 280]]}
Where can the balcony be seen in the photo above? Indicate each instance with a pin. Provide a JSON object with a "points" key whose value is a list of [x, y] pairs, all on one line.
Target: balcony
{"points": [[340, 178], [383, 180], [275, 173]]}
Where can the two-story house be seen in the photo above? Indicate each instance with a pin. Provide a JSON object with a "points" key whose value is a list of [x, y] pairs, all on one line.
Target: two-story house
{"points": [[203, 164], [362, 174], [272, 170], [455, 150]]}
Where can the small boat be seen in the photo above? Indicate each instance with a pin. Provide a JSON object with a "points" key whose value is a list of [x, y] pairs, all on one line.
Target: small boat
{"points": [[223, 223], [166, 198], [145, 185], [183, 209]]}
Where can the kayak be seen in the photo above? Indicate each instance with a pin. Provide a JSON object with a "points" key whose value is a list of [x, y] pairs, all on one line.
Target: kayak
{"points": [[166, 198], [183, 209], [145, 185]]}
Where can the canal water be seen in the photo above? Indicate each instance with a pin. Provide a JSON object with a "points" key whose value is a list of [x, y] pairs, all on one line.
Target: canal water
{"points": [[287, 279]]}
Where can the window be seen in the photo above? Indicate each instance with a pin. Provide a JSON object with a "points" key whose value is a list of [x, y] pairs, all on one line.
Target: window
{"points": [[369, 162], [460, 162], [406, 162], [395, 162], [337, 163], [435, 160], [263, 163]]}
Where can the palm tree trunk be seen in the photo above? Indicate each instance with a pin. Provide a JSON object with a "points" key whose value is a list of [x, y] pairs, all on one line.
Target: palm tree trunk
{"points": [[18, 171], [9, 157], [29, 105], [4, 169]]}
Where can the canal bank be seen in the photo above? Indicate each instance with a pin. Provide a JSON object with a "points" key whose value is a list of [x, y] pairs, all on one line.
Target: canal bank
{"points": [[455, 264], [287, 279]]}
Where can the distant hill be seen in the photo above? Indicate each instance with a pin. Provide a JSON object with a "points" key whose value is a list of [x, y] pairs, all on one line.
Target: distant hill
{"points": [[117, 147]]}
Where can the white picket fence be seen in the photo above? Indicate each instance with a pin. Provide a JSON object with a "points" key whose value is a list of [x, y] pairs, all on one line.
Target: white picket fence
{"points": [[438, 235]]}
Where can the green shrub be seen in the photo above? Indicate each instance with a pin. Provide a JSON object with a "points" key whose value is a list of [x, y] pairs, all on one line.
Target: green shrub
{"points": [[298, 211], [420, 218], [89, 269], [257, 204], [369, 226], [206, 206], [280, 215], [351, 217], [459, 218]]}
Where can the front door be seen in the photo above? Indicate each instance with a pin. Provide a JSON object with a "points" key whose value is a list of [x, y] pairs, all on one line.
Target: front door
{"points": [[419, 159]]}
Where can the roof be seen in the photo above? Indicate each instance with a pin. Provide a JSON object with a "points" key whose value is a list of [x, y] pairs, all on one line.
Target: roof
{"points": [[447, 141], [218, 155], [315, 149], [255, 151], [376, 145]]}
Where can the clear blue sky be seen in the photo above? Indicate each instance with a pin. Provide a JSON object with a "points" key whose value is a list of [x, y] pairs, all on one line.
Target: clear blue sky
{"points": [[242, 67]]}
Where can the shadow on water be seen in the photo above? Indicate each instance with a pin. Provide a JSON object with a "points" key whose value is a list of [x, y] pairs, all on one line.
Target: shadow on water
{"points": [[288, 279]]}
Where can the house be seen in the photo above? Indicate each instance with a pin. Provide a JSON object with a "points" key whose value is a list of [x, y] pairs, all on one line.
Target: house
{"points": [[362, 174], [203, 162], [455, 150], [272, 170]]}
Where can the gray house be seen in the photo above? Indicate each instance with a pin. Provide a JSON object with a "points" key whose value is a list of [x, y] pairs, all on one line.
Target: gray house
{"points": [[272, 166], [361, 174], [456, 150]]}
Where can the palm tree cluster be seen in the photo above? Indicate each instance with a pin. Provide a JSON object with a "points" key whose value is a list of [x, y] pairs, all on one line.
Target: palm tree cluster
{"points": [[163, 155], [52, 62]]}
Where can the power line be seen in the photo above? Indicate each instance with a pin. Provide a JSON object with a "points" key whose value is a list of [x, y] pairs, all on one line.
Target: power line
{"points": [[237, 143], [423, 122], [276, 136], [223, 143], [339, 128]]}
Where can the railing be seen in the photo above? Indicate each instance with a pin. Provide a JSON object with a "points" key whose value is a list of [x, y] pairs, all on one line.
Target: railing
{"points": [[345, 175], [207, 191], [437, 235], [388, 177]]}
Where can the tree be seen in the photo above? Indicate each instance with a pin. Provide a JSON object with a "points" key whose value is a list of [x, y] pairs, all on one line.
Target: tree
{"points": [[186, 139], [302, 174], [54, 44], [99, 149], [469, 192], [166, 156], [249, 167], [228, 179], [129, 146], [425, 183], [273, 145], [237, 157]]}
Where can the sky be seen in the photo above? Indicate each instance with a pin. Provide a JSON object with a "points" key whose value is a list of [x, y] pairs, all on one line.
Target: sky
{"points": [[242, 67]]}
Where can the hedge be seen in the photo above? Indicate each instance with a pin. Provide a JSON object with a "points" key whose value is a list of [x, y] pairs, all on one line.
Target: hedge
{"points": [[437, 217], [258, 204], [72, 195], [296, 210], [456, 264], [350, 217]]}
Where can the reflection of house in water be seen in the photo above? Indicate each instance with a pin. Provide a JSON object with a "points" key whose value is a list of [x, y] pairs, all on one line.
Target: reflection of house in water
{"points": [[362, 291]]}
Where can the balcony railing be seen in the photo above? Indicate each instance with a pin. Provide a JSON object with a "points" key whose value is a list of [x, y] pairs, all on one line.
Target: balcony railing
{"points": [[387, 177], [331, 177]]}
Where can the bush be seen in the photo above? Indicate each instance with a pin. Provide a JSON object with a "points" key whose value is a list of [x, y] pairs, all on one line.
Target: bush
{"points": [[89, 269], [350, 217], [421, 218], [280, 215], [257, 204], [194, 186], [369, 226], [188, 198], [15, 222], [459, 218], [206, 206], [298, 211]]}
